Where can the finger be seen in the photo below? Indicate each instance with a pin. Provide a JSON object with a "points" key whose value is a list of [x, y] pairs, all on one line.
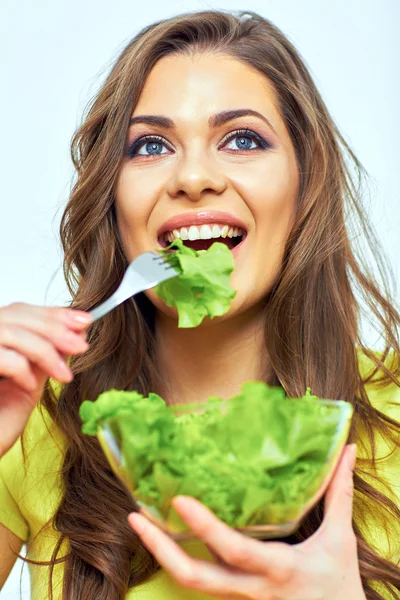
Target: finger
{"points": [[192, 573], [17, 368], [275, 560], [338, 504], [38, 350], [38, 318], [44, 323]]}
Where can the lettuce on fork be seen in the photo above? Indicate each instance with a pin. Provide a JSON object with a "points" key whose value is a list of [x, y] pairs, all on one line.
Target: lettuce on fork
{"points": [[203, 288], [253, 459]]}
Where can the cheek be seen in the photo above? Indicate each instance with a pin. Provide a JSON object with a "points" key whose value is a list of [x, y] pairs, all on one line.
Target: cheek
{"points": [[269, 187], [133, 206], [274, 216], [277, 189], [275, 220], [272, 200]]}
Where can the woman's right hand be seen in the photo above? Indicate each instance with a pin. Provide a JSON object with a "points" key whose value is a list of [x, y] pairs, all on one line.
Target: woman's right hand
{"points": [[34, 341]]}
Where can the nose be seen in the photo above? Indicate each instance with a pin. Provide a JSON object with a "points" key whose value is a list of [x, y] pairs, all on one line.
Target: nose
{"points": [[196, 177]]}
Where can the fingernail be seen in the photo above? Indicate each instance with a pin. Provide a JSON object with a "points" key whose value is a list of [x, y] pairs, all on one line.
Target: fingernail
{"points": [[185, 506], [83, 318], [137, 522], [180, 501]]}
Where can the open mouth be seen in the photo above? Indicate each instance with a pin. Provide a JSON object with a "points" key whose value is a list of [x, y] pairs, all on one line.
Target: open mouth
{"points": [[202, 237]]}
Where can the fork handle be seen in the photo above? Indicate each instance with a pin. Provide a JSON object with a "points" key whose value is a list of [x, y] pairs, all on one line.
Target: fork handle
{"points": [[116, 298]]}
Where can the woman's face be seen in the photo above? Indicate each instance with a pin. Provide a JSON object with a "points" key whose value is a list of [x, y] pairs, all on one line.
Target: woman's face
{"points": [[195, 165]]}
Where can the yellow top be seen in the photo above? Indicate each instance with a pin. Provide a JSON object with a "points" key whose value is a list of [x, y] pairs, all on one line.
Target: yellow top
{"points": [[29, 497]]}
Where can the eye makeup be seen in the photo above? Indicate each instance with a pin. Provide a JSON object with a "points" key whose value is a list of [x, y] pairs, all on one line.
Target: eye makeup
{"points": [[263, 144]]}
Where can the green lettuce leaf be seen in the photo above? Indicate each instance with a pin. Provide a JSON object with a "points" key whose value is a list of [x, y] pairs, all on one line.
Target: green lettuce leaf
{"points": [[253, 459], [115, 403], [203, 288]]}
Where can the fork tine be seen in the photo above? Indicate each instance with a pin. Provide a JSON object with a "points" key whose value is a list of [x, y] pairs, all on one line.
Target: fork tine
{"points": [[144, 272], [160, 258]]}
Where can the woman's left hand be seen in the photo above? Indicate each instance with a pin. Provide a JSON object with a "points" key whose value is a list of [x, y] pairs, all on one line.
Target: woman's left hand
{"points": [[323, 567]]}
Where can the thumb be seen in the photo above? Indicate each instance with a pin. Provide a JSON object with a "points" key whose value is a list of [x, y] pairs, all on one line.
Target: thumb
{"points": [[338, 505]]}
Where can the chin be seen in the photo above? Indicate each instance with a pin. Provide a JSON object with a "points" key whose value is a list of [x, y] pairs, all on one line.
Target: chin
{"points": [[238, 306]]}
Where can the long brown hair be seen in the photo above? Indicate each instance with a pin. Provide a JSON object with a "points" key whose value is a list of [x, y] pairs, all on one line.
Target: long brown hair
{"points": [[312, 316]]}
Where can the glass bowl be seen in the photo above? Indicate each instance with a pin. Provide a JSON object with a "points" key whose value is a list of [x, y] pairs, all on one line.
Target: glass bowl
{"points": [[282, 520]]}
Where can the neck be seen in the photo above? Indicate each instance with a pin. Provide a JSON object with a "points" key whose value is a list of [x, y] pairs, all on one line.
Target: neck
{"points": [[214, 359]]}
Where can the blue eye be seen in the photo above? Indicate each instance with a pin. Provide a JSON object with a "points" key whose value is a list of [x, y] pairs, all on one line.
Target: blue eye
{"points": [[153, 144], [242, 135], [150, 143]]}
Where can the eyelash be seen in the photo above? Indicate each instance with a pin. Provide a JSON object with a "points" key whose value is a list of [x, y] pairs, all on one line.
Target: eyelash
{"points": [[137, 144]]}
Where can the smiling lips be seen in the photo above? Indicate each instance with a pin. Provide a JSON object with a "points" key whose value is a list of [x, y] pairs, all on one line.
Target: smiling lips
{"points": [[200, 230]]}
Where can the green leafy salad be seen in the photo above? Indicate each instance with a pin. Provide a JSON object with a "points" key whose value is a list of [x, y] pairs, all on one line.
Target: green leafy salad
{"points": [[252, 460], [203, 287]]}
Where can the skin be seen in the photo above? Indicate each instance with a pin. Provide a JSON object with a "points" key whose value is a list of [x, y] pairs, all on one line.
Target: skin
{"points": [[323, 567], [199, 170], [195, 172]]}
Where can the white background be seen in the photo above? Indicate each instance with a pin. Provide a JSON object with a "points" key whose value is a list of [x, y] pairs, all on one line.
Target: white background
{"points": [[55, 54]]}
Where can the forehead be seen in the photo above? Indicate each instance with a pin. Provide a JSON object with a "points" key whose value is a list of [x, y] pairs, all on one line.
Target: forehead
{"points": [[188, 87]]}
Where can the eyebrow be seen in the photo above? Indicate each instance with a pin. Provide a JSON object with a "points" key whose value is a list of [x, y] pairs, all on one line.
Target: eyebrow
{"points": [[214, 121]]}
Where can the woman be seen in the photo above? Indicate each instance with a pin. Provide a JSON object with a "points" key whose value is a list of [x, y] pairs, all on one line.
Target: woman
{"points": [[206, 118]]}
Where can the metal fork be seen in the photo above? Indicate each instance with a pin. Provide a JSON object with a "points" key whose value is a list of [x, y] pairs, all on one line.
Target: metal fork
{"points": [[144, 272]]}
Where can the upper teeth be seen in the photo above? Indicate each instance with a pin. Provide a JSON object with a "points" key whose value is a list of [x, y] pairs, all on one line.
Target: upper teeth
{"points": [[205, 232]]}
